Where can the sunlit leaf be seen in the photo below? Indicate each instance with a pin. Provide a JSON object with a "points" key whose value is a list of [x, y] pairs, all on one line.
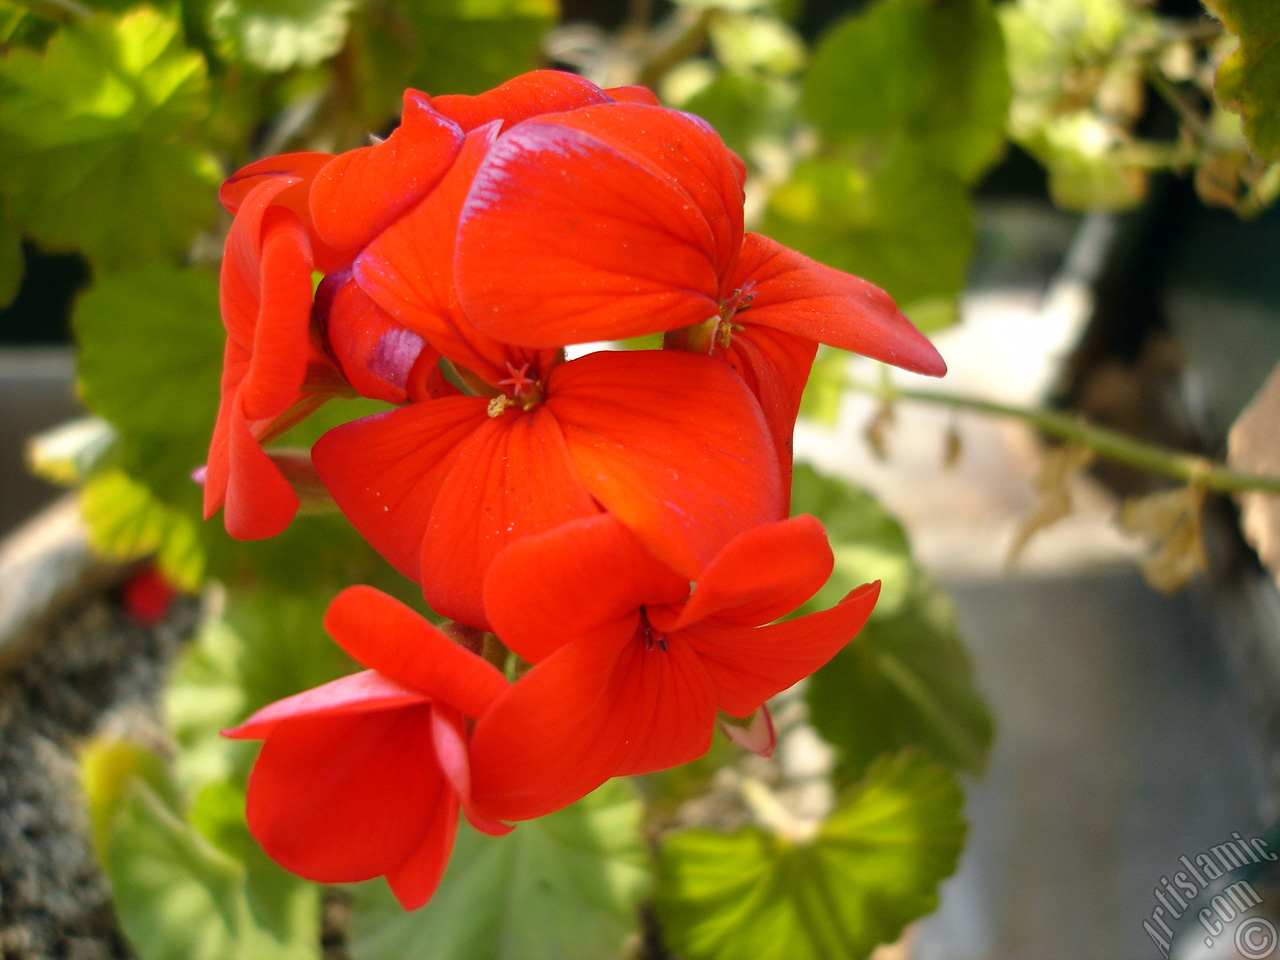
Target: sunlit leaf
{"points": [[126, 521], [873, 867], [276, 35], [177, 894], [1249, 79], [905, 679], [906, 225], [97, 138], [927, 73], [562, 887]]}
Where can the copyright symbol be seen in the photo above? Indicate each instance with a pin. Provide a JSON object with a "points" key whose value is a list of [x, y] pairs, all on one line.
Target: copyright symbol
{"points": [[1255, 938]]}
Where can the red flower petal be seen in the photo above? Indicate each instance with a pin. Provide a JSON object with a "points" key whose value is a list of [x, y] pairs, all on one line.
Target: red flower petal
{"points": [[449, 735], [597, 707], [567, 237], [804, 297], [582, 576], [281, 337], [748, 666], [359, 193], [671, 443], [632, 94], [240, 283], [528, 95], [415, 880], [340, 798], [385, 471], [259, 502], [299, 167], [737, 588], [375, 353], [365, 692], [511, 478], [775, 367], [408, 271], [382, 633]]}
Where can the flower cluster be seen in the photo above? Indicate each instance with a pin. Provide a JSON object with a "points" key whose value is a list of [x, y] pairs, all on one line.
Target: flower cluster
{"points": [[617, 521]]}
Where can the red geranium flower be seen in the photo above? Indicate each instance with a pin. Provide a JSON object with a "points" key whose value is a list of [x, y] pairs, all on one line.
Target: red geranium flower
{"points": [[630, 667], [615, 221], [673, 444], [364, 776]]}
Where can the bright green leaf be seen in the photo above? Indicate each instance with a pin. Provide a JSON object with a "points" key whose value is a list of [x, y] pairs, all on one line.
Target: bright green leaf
{"points": [[277, 35], [1249, 79], [562, 887], [906, 226], [177, 894], [92, 139], [873, 867], [126, 521], [928, 73], [905, 679]]}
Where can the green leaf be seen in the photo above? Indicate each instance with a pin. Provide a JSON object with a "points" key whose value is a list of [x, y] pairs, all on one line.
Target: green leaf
{"points": [[126, 521], [462, 46], [905, 225], [743, 107], [917, 71], [178, 896], [562, 887], [150, 359], [266, 645], [905, 679], [277, 35], [873, 867], [94, 139], [1249, 79]]}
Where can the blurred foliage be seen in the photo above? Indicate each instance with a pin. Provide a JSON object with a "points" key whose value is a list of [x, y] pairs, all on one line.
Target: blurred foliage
{"points": [[864, 873], [563, 887], [865, 145]]}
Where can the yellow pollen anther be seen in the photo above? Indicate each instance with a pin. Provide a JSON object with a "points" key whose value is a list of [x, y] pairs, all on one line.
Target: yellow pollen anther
{"points": [[498, 404]]}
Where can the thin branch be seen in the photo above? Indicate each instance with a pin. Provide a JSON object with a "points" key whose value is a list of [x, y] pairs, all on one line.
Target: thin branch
{"points": [[1189, 468]]}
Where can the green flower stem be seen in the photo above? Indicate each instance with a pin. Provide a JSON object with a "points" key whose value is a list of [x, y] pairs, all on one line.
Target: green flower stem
{"points": [[1189, 468]]}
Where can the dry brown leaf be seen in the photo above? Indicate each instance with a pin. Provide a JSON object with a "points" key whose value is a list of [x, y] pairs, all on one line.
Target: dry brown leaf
{"points": [[1057, 468], [1253, 445], [1171, 520]]}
